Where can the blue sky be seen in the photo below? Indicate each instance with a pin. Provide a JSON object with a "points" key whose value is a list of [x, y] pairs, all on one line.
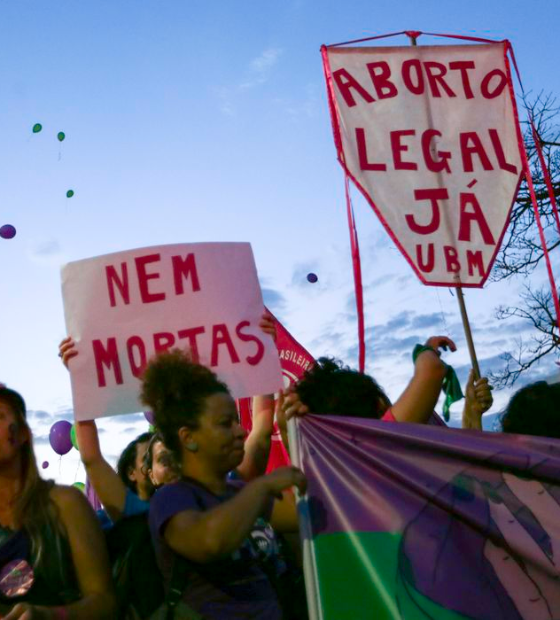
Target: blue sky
{"points": [[191, 120]]}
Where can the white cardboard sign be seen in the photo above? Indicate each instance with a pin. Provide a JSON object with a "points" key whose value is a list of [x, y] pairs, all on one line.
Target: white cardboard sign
{"points": [[428, 134], [123, 308]]}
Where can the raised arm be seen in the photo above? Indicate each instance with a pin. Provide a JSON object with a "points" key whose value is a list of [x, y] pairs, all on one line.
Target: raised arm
{"points": [[282, 420], [419, 398], [104, 479], [204, 537], [257, 444], [110, 489]]}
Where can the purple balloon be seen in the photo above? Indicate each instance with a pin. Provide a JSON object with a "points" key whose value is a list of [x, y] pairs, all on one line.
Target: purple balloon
{"points": [[59, 437], [45, 464], [149, 415], [312, 277], [7, 231]]}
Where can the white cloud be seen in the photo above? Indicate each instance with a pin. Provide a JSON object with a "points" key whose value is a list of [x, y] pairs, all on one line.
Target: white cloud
{"points": [[257, 73], [266, 60], [261, 67]]}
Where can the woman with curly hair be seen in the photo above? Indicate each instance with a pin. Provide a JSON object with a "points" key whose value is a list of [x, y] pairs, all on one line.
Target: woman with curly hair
{"points": [[53, 561], [204, 521]]}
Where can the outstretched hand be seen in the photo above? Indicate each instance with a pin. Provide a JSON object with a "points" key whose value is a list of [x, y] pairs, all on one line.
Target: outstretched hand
{"points": [[268, 324], [284, 478], [292, 405], [67, 350], [440, 342]]}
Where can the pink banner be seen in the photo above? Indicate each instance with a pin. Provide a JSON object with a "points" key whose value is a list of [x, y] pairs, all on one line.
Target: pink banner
{"points": [[294, 360]]}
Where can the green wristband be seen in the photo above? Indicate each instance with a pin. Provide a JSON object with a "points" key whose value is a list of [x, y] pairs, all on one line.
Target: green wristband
{"points": [[420, 348]]}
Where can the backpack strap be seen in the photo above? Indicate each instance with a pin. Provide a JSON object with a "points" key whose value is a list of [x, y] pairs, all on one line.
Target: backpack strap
{"points": [[176, 586]]}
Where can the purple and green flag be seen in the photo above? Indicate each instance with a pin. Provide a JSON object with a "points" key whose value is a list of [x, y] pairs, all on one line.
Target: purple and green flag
{"points": [[421, 522]]}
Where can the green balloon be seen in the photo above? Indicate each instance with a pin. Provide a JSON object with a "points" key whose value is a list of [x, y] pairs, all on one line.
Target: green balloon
{"points": [[152, 428], [61, 135], [69, 193], [37, 127], [73, 437], [80, 485]]}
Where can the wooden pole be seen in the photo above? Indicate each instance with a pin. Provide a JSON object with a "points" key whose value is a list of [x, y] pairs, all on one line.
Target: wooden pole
{"points": [[306, 535], [461, 300], [468, 333]]}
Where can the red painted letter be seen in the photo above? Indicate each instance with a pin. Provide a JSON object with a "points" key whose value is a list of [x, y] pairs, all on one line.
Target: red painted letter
{"points": [[182, 268], [463, 66], [428, 265], [467, 151], [408, 68], [135, 342], [190, 335], [433, 195], [345, 83], [144, 276], [397, 147], [108, 357], [435, 72], [163, 341], [362, 152], [498, 149], [476, 215], [251, 359], [474, 260], [220, 335], [122, 283], [451, 262], [434, 165], [498, 89], [380, 72]]}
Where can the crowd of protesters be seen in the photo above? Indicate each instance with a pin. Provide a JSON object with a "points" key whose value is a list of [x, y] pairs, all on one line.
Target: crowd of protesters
{"points": [[190, 515]]}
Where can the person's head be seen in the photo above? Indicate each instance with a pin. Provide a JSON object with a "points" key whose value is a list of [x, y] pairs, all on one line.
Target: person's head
{"points": [[159, 463], [130, 466], [328, 387], [33, 507], [15, 436], [534, 410], [194, 412]]}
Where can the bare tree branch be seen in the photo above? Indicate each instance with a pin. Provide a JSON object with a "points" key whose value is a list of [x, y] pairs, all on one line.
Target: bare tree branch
{"points": [[522, 252], [536, 309]]}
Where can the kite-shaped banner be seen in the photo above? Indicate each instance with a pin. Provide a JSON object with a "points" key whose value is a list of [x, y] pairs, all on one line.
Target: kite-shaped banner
{"points": [[429, 135]]}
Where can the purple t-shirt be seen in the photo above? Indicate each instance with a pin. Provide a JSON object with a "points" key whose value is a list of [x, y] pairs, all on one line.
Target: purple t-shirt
{"points": [[229, 589]]}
